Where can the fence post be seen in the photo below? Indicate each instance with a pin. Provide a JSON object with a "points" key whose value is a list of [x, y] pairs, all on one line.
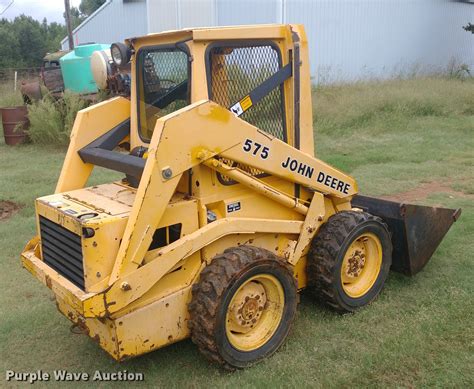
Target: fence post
{"points": [[16, 78]]}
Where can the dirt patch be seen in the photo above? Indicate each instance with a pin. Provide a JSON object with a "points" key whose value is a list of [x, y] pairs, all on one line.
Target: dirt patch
{"points": [[423, 191], [8, 209]]}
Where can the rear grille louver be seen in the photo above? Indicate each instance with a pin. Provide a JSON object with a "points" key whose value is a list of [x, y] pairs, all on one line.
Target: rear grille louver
{"points": [[62, 250]]}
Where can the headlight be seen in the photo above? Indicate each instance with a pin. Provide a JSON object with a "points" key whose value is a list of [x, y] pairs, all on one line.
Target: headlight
{"points": [[121, 54]]}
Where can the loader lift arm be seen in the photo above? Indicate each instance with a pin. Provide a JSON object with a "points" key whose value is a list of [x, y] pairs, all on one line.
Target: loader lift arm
{"points": [[187, 138], [177, 144]]}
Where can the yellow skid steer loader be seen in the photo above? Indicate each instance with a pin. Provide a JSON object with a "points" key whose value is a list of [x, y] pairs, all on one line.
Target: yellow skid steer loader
{"points": [[224, 213]]}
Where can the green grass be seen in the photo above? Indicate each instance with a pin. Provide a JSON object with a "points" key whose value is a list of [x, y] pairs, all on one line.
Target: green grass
{"points": [[9, 97], [391, 137]]}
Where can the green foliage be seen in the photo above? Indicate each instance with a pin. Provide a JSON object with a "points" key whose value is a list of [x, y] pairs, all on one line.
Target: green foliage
{"points": [[51, 120], [25, 41], [53, 33], [87, 7], [9, 97], [342, 108], [457, 70], [76, 17], [469, 28]]}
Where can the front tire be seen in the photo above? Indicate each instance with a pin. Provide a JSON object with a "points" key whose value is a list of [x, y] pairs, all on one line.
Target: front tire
{"points": [[349, 260], [243, 306]]}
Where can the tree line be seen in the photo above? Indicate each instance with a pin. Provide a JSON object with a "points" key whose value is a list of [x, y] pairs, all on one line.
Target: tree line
{"points": [[24, 41]]}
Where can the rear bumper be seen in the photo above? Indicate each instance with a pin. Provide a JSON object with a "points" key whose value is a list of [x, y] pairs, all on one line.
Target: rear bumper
{"points": [[122, 335], [61, 286], [70, 301]]}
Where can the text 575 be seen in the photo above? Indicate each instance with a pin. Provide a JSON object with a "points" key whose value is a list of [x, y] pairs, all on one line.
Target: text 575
{"points": [[256, 148]]}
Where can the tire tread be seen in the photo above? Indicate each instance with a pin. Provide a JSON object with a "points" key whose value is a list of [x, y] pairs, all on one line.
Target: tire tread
{"points": [[324, 250], [208, 291]]}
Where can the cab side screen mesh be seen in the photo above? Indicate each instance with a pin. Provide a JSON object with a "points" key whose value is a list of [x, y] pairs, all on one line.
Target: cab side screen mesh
{"points": [[234, 72]]}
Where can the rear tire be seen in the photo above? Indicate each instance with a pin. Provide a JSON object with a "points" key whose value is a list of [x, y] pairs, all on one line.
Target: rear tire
{"points": [[349, 260], [243, 306]]}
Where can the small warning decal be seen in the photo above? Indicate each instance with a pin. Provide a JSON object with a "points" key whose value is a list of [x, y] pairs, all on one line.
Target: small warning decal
{"points": [[242, 106], [232, 207], [246, 103], [237, 109]]}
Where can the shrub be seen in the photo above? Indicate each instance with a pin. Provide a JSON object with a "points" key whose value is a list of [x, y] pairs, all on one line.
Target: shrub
{"points": [[8, 97], [51, 120]]}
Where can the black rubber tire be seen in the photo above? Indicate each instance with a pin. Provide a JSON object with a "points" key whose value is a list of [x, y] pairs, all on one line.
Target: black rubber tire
{"points": [[212, 294], [327, 252]]}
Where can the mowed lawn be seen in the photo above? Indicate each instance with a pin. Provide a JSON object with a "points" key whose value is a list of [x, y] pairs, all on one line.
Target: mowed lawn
{"points": [[410, 139]]}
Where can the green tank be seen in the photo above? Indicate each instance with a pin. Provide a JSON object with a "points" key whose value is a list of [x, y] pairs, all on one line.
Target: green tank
{"points": [[76, 68]]}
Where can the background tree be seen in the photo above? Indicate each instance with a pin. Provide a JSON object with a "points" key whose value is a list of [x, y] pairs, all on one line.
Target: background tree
{"points": [[30, 38], [469, 27], [24, 41], [87, 7], [76, 17], [9, 46]]}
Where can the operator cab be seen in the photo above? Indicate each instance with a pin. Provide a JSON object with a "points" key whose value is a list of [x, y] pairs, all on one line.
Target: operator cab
{"points": [[233, 72], [256, 79], [174, 69]]}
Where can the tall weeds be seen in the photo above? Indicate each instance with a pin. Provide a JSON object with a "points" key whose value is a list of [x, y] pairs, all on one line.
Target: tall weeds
{"points": [[348, 107], [51, 120]]}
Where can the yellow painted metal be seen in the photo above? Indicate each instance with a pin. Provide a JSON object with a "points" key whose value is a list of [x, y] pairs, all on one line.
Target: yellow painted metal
{"points": [[90, 123], [135, 333], [255, 312], [252, 204], [61, 287], [300, 272], [314, 220], [195, 128], [126, 281], [112, 203], [256, 184], [306, 106], [142, 279], [361, 265]]}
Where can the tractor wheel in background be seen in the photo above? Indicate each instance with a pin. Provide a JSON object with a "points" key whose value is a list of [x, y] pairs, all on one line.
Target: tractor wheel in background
{"points": [[243, 306], [349, 260]]}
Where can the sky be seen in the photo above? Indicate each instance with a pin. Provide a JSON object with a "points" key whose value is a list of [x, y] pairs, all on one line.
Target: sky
{"points": [[38, 9]]}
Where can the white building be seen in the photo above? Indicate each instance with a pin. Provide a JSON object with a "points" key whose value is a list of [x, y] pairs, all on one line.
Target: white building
{"points": [[349, 39]]}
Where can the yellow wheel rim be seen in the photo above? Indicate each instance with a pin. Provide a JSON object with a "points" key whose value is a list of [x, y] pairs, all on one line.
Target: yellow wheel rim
{"points": [[361, 265], [255, 312]]}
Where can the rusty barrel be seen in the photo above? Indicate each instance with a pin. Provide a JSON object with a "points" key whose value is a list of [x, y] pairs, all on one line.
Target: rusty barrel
{"points": [[15, 123]]}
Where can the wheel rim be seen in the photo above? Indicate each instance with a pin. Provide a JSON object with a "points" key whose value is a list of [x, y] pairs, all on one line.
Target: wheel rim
{"points": [[361, 265], [255, 312]]}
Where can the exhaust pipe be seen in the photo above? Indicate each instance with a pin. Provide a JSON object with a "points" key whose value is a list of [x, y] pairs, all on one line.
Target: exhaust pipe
{"points": [[417, 230]]}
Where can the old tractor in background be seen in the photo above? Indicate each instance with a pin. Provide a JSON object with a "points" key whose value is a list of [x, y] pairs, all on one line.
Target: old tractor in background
{"points": [[224, 213]]}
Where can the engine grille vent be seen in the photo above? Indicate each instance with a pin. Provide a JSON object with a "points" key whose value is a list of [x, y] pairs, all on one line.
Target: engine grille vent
{"points": [[62, 250]]}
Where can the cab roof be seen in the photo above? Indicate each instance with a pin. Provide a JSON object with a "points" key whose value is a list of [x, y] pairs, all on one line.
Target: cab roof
{"points": [[256, 31]]}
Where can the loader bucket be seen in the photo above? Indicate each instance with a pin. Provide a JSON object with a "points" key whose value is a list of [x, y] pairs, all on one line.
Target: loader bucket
{"points": [[416, 230]]}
